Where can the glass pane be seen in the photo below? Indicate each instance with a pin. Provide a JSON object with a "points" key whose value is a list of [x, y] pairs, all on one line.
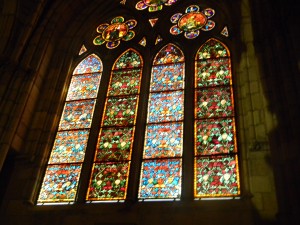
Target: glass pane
{"points": [[213, 72], [212, 49], [109, 181], [216, 176], [169, 54], [215, 136], [129, 59], [77, 115], [91, 64], [163, 140], [165, 106], [60, 183], [82, 50], [161, 179], [69, 146], [114, 144], [214, 102], [120, 111], [125, 82], [167, 77], [84, 86]]}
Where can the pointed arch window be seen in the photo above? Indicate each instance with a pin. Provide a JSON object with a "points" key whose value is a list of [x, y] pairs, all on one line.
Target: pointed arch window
{"points": [[162, 156], [216, 163], [64, 166], [109, 179], [160, 152]]}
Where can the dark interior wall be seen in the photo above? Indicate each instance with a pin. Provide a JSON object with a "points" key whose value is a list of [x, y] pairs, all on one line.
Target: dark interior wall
{"points": [[38, 47], [276, 39]]}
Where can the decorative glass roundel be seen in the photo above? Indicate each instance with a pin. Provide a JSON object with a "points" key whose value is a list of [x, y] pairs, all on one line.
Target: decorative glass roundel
{"points": [[192, 21], [153, 5], [113, 33]]}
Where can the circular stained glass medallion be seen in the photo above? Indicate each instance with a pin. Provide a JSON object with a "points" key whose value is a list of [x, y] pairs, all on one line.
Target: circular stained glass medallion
{"points": [[209, 25], [115, 32], [112, 44], [154, 2], [209, 12], [102, 27], [192, 8], [192, 34], [175, 30], [175, 17], [192, 21]]}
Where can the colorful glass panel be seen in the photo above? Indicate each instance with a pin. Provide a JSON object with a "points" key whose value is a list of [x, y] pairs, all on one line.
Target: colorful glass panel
{"points": [[119, 29], [84, 86], [125, 82], [82, 50], [215, 137], [161, 179], [213, 72], [68, 152], [167, 77], [91, 64], [165, 106], [120, 111], [225, 32], [163, 140], [192, 34], [209, 12], [112, 44], [212, 49], [169, 54], [216, 176], [153, 5], [210, 24], [60, 183], [143, 42], [69, 146], [161, 176], [115, 141], [109, 181], [115, 32], [77, 115], [158, 39], [214, 102], [128, 60], [115, 144], [216, 161], [153, 21], [192, 21]]}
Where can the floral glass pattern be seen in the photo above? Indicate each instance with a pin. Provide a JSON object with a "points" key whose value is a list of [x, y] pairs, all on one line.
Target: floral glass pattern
{"points": [[109, 181], [153, 5], [64, 166], [163, 140], [109, 177], [161, 165], [161, 179], [216, 176], [192, 21], [113, 33], [216, 161]]}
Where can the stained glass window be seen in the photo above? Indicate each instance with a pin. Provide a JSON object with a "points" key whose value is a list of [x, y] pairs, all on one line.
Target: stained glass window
{"points": [[162, 156], [64, 166], [98, 140], [109, 177], [216, 162]]}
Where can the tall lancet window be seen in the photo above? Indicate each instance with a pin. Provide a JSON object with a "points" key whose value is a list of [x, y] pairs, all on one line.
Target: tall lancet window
{"points": [[64, 166], [111, 166], [216, 162], [162, 156]]}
